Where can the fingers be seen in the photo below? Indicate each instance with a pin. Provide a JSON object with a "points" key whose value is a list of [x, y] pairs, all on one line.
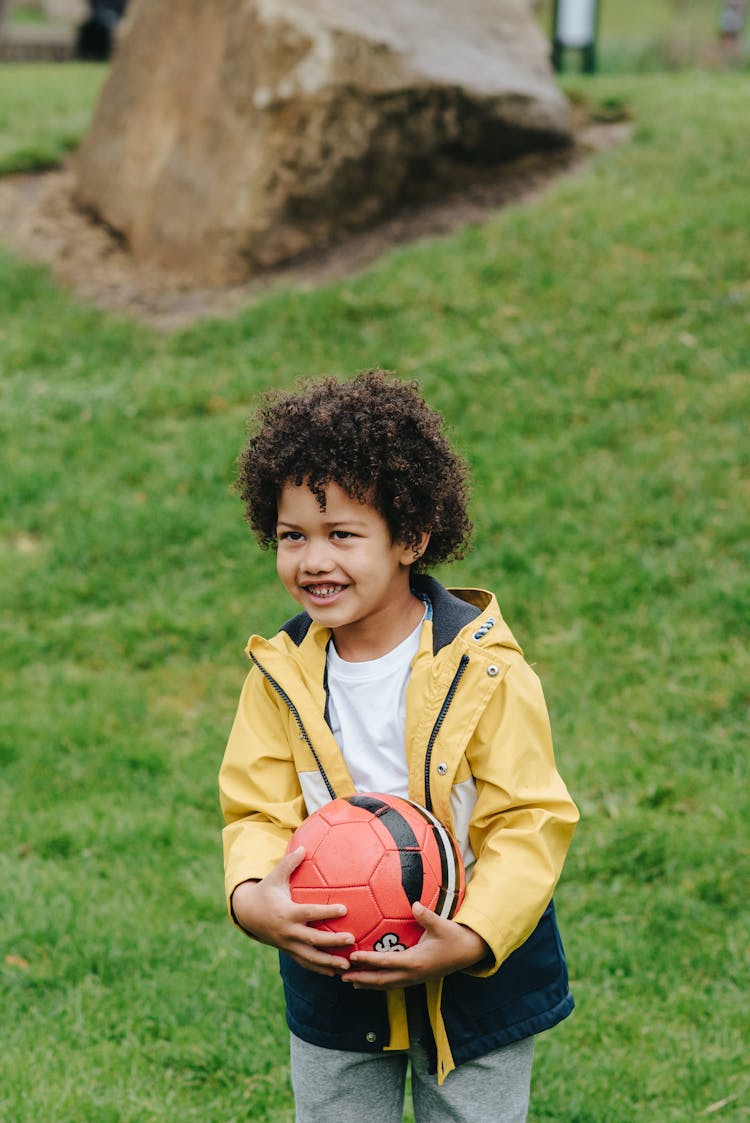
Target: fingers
{"points": [[320, 938], [362, 978], [328, 936], [386, 960], [283, 869], [316, 914], [329, 966], [384, 970], [426, 917], [306, 919], [316, 950]]}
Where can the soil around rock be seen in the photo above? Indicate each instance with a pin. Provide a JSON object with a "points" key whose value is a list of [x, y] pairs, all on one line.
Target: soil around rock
{"points": [[41, 222]]}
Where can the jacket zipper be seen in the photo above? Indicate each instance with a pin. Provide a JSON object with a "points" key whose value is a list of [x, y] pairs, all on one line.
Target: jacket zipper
{"points": [[295, 714], [463, 664]]}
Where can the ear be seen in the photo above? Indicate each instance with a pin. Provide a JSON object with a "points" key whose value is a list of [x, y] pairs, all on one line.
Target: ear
{"points": [[413, 552]]}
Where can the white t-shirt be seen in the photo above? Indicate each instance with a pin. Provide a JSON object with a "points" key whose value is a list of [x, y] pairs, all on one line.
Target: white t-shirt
{"points": [[367, 713]]}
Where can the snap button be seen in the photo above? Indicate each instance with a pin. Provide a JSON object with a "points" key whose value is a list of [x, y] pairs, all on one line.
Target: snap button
{"points": [[371, 1036], [493, 671], [442, 769]]}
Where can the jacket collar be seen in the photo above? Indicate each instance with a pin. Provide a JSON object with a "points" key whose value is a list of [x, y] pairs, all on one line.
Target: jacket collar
{"points": [[450, 612]]}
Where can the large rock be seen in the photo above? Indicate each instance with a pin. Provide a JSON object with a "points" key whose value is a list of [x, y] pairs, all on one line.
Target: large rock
{"points": [[232, 135]]}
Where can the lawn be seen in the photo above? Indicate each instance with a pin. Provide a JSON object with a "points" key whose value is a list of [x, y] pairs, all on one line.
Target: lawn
{"points": [[44, 111], [591, 353]]}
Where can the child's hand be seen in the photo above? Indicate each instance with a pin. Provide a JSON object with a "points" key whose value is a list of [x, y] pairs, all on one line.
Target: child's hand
{"points": [[266, 910], [444, 947]]}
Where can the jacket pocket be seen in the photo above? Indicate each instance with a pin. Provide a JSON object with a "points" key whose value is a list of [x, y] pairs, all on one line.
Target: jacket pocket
{"points": [[328, 1012], [533, 978]]}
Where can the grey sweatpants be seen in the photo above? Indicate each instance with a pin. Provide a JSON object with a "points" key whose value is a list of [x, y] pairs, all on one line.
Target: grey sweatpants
{"points": [[331, 1084]]}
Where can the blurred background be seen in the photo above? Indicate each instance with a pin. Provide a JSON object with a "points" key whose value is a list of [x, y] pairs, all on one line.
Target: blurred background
{"points": [[632, 34]]}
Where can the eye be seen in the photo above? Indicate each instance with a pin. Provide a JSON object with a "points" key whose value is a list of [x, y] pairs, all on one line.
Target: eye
{"points": [[291, 536], [341, 535]]}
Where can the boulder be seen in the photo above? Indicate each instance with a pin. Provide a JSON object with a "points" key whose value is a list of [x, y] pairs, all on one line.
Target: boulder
{"points": [[235, 135]]}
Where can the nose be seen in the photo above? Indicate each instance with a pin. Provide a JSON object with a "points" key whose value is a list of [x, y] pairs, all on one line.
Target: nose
{"points": [[316, 557]]}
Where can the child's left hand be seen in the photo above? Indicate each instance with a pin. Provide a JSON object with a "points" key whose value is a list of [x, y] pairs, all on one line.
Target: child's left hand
{"points": [[444, 947]]}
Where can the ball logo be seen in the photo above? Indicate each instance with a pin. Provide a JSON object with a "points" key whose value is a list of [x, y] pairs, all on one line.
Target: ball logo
{"points": [[389, 942]]}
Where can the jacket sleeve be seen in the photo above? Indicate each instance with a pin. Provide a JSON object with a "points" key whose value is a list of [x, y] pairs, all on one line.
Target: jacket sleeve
{"points": [[523, 820], [260, 795]]}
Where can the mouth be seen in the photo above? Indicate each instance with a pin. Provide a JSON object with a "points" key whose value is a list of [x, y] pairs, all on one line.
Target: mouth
{"points": [[322, 592]]}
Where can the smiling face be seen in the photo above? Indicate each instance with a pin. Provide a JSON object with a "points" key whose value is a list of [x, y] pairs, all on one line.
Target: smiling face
{"points": [[341, 565]]}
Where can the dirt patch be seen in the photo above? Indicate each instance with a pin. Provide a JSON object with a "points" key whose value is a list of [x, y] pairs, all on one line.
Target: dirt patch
{"points": [[40, 221]]}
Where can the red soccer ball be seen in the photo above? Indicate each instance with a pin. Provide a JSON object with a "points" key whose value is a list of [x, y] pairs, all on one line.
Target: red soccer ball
{"points": [[377, 854]]}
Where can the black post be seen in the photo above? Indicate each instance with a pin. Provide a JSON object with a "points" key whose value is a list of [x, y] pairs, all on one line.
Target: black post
{"points": [[557, 47], [588, 58]]}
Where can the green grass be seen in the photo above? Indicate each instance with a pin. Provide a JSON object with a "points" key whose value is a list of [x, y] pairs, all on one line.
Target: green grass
{"points": [[22, 14], [591, 353], [35, 15], [45, 109]]}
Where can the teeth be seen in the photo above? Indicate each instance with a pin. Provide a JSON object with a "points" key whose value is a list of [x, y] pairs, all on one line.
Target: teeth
{"points": [[323, 590]]}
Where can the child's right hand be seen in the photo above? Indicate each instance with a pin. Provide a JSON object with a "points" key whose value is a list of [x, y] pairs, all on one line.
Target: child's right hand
{"points": [[265, 910]]}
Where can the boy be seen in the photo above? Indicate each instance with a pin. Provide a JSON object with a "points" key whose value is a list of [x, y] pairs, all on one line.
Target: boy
{"points": [[388, 682]]}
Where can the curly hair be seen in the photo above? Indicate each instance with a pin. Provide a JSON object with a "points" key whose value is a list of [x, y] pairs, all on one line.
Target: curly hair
{"points": [[376, 438]]}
